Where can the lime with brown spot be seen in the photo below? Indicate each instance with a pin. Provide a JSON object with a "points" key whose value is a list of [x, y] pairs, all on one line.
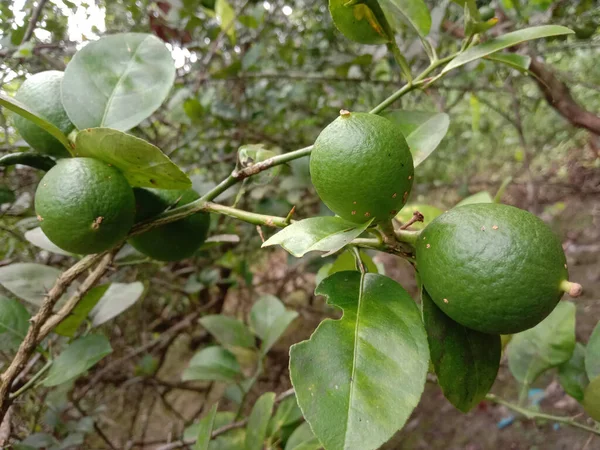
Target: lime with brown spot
{"points": [[493, 268], [41, 94], [84, 205], [362, 22], [362, 168], [175, 240]]}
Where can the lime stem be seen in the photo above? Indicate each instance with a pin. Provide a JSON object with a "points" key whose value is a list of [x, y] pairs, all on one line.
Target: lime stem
{"points": [[572, 289]]}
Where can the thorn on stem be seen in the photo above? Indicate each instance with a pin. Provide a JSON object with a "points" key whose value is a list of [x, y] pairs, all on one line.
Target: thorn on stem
{"points": [[288, 218], [260, 233], [417, 217]]}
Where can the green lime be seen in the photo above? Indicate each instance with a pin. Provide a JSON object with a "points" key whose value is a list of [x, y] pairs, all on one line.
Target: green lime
{"points": [[363, 22], [84, 205], [491, 267], [41, 94], [486, 13], [362, 168], [173, 241], [429, 213]]}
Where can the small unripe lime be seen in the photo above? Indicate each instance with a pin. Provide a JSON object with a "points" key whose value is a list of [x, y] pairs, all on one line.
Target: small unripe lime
{"points": [[41, 94], [362, 168], [361, 22], [491, 267], [175, 240], [84, 205]]}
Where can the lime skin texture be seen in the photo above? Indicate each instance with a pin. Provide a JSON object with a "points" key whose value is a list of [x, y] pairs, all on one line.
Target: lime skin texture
{"points": [[41, 94], [172, 241], [362, 168], [491, 267], [359, 23], [84, 205]]}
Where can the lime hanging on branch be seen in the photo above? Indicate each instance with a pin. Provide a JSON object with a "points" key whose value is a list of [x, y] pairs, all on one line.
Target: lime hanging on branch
{"points": [[362, 22], [362, 168], [493, 268]]}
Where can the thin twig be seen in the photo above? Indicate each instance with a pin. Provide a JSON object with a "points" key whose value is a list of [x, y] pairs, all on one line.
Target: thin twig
{"points": [[35, 17]]}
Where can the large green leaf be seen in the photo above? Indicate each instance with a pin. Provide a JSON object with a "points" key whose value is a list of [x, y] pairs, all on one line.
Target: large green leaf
{"points": [[205, 429], [505, 41], [117, 298], [35, 160], [415, 12], [213, 364], [77, 358], [258, 421], [29, 281], [142, 163], [14, 323], [592, 354], [357, 379], [326, 234], [269, 319], [303, 439], [571, 374], [228, 331], [547, 345], [117, 81], [22, 110], [71, 323], [591, 399], [514, 60], [466, 362], [423, 131]]}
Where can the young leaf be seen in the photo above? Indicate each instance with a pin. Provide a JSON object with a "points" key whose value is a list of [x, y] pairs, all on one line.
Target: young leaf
{"points": [[591, 399], [258, 421], [303, 439], [466, 361], [205, 429], [143, 164], [213, 364], [22, 110], [423, 131], [28, 281], [592, 354], [325, 234], [415, 12], [117, 81], [226, 17], [228, 331], [514, 60], [547, 345], [34, 160], [571, 374], [14, 323], [479, 197], [269, 319], [37, 237], [117, 298], [71, 323], [505, 41], [77, 358], [358, 379]]}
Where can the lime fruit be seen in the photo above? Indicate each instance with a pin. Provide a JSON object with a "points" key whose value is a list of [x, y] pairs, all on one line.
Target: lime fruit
{"points": [[41, 94], [486, 13], [429, 213], [362, 168], [491, 267], [84, 205], [363, 22], [172, 241]]}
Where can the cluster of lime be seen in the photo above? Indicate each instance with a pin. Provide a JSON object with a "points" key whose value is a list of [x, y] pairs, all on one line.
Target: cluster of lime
{"points": [[490, 267], [85, 205]]}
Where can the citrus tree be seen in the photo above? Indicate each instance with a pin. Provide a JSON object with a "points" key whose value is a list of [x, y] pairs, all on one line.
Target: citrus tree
{"points": [[488, 273]]}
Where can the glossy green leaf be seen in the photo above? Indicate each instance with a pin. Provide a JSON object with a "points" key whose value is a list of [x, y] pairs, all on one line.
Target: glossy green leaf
{"points": [[14, 323], [34, 160], [71, 323], [572, 375], [592, 354], [77, 358], [423, 131], [117, 298], [303, 439], [228, 331], [479, 197], [505, 41], [29, 281], [466, 362], [213, 364], [514, 60], [258, 421], [117, 81], [37, 237], [22, 110], [143, 164], [415, 12], [326, 234], [358, 379], [205, 429], [547, 345], [591, 399], [269, 319], [226, 17]]}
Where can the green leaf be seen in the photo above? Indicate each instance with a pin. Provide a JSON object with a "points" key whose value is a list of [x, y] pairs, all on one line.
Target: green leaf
{"points": [[269, 319], [37, 237], [34, 160], [226, 17], [466, 362], [415, 12], [228, 331], [258, 421], [143, 164], [6, 195], [471, 5], [423, 131], [77, 358], [325, 234], [205, 429], [213, 364], [592, 354], [71, 323], [571, 374], [22, 110], [514, 60], [14, 323], [28, 281], [547, 345], [591, 399], [479, 197], [117, 81], [288, 412], [117, 298], [358, 379], [303, 439], [346, 261], [505, 41]]}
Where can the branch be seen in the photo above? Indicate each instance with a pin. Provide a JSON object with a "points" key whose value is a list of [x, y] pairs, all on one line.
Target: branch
{"points": [[35, 16]]}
